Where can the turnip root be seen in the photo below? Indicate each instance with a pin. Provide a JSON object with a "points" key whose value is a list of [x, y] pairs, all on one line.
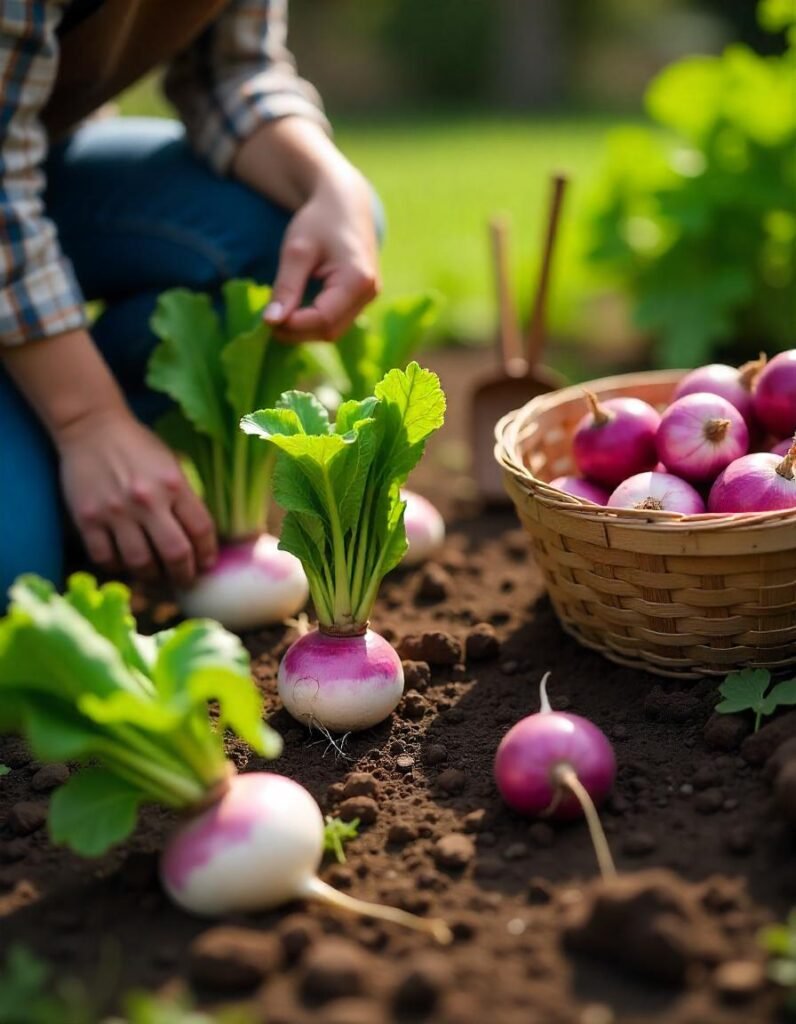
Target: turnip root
{"points": [[425, 528], [252, 584]]}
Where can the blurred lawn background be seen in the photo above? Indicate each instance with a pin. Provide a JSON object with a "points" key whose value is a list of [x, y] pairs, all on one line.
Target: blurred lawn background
{"points": [[458, 111]]}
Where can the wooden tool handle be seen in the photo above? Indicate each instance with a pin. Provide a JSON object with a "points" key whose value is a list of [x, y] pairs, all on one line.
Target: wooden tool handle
{"points": [[508, 326], [536, 330]]}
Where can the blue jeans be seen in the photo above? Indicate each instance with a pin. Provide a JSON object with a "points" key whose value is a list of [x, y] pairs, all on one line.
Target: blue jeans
{"points": [[136, 213]]}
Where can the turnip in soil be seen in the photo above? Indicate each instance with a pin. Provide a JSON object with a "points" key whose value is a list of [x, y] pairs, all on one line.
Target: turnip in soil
{"points": [[775, 395], [425, 528], [340, 489], [82, 685], [216, 368], [699, 435], [615, 439], [558, 765], [761, 482]]}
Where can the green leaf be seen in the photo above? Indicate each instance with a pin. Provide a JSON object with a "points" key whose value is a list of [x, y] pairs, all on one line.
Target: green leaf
{"points": [[411, 407], [186, 365], [244, 303], [312, 416], [744, 690], [781, 695], [405, 322], [336, 833], [93, 811], [4, 769], [240, 706]]}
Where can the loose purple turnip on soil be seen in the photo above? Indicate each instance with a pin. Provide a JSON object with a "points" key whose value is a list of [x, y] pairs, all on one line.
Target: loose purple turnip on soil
{"points": [[344, 519], [82, 685], [555, 764]]}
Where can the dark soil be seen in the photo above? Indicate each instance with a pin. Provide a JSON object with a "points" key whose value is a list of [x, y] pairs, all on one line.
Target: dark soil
{"points": [[694, 822]]}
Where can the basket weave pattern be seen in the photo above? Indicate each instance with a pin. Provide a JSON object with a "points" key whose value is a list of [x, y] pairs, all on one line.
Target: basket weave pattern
{"points": [[683, 596]]}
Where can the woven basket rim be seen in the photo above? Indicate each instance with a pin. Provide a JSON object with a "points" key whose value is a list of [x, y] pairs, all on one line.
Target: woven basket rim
{"points": [[508, 436]]}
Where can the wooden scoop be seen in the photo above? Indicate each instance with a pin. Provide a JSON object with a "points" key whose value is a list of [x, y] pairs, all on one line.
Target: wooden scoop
{"points": [[521, 375]]}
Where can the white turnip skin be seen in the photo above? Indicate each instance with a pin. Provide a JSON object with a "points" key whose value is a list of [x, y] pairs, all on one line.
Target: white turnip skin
{"points": [[340, 683], [425, 528], [252, 584], [701, 434], [661, 492], [257, 847]]}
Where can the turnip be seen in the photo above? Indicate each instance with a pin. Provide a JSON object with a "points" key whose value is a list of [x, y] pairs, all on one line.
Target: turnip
{"points": [[774, 395], [215, 368], [580, 488], [699, 435], [558, 765], [615, 439], [760, 482], [660, 492], [82, 685], [340, 489], [732, 383], [257, 847], [251, 584], [425, 528]]}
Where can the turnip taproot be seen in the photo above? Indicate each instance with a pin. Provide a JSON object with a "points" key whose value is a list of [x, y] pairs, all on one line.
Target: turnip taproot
{"points": [[344, 519], [558, 765]]}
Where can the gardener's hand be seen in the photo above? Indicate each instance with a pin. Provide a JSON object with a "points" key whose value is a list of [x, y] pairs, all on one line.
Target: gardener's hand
{"points": [[130, 500], [332, 238]]}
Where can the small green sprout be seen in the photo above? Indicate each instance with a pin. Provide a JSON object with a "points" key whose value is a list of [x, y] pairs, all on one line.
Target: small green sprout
{"points": [[748, 690], [779, 941], [336, 833], [4, 769]]}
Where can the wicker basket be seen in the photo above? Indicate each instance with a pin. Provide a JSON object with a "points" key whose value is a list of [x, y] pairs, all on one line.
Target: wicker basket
{"points": [[683, 596]]}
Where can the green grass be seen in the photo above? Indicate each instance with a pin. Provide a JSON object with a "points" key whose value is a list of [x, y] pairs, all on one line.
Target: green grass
{"points": [[442, 177]]}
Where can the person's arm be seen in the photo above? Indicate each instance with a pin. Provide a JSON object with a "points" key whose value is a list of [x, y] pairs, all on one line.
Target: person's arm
{"points": [[123, 487], [249, 114]]}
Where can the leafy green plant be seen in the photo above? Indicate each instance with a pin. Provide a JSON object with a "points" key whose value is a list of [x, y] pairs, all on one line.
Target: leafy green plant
{"points": [[82, 685], [28, 994], [336, 833], [369, 350], [698, 220], [779, 941], [748, 690], [4, 769], [216, 368], [339, 485]]}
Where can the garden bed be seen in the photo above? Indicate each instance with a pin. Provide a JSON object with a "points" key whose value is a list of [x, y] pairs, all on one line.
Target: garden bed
{"points": [[437, 840]]}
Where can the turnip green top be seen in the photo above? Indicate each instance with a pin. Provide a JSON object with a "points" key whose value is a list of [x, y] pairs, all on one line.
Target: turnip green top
{"points": [[81, 684], [340, 485]]}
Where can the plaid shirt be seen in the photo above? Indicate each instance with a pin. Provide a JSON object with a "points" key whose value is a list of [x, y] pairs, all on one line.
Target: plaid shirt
{"points": [[237, 75]]}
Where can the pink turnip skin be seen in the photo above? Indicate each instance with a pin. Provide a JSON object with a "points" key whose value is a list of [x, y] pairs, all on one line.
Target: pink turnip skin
{"points": [[761, 482], [340, 683], [700, 435], [660, 492], [252, 584], [615, 439], [425, 528], [580, 488], [731, 383], [774, 396], [531, 752], [783, 447]]}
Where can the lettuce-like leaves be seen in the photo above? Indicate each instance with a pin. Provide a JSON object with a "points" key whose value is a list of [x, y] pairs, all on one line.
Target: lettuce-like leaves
{"points": [[81, 684], [339, 485], [216, 367]]}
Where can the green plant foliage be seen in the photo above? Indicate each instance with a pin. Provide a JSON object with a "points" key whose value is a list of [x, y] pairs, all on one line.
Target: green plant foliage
{"points": [[340, 485], [28, 995], [779, 941], [82, 685], [699, 222], [216, 368], [336, 833], [748, 690]]}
